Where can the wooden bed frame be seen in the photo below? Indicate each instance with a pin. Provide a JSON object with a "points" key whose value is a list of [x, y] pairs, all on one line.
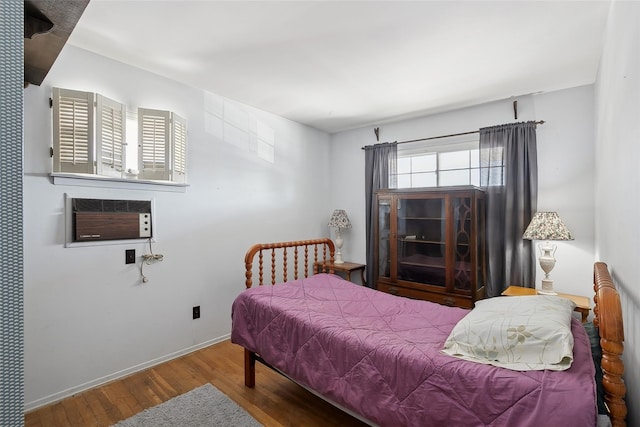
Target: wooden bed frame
{"points": [[607, 309], [328, 252], [323, 258], [608, 319]]}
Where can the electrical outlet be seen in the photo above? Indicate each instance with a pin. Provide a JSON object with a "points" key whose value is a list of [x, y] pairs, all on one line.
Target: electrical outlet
{"points": [[130, 256], [196, 312]]}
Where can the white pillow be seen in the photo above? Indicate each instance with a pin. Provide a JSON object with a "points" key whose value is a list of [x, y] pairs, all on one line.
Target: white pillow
{"points": [[523, 333]]}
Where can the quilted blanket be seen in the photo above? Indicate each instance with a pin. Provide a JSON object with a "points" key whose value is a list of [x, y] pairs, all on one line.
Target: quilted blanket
{"points": [[379, 356]]}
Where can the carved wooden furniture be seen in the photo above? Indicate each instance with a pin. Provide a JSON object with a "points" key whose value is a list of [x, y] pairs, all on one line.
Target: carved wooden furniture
{"points": [[608, 319], [430, 244], [280, 263], [289, 256]]}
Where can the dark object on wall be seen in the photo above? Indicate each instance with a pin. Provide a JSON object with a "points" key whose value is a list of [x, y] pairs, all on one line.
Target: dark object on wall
{"points": [[35, 22], [130, 256], [100, 219], [47, 26]]}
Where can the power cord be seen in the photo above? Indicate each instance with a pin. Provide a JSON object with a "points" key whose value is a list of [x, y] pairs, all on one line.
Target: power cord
{"points": [[149, 259]]}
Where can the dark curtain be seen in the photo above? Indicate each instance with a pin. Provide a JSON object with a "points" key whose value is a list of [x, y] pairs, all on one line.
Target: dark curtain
{"points": [[509, 174], [380, 172]]}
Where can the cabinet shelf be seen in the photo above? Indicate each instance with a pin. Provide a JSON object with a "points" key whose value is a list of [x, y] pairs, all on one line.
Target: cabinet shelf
{"points": [[422, 264], [428, 218], [422, 218], [428, 242], [432, 242]]}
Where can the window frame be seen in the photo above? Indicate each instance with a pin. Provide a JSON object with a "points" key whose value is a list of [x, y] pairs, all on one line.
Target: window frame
{"points": [[436, 148]]}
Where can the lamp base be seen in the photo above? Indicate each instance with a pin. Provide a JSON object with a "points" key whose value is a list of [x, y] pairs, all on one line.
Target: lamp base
{"points": [[338, 256], [547, 287]]}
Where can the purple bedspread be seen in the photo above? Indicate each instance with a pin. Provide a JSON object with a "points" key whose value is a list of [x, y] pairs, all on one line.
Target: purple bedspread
{"points": [[379, 355]]}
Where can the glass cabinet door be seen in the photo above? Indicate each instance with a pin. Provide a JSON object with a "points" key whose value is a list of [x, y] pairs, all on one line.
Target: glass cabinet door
{"points": [[384, 241], [421, 240], [461, 216], [481, 260]]}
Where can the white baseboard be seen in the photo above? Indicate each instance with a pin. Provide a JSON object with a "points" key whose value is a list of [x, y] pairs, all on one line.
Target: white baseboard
{"points": [[55, 397]]}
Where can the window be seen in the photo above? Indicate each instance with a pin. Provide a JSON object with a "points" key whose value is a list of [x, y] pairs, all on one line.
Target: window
{"points": [[162, 145], [90, 134], [72, 131], [153, 143], [110, 136], [438, 165], [493, 171], [179, 154]]}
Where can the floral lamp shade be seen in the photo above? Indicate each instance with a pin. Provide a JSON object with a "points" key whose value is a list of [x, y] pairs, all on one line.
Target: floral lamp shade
{"points": [[547, 226], [339, 219]]}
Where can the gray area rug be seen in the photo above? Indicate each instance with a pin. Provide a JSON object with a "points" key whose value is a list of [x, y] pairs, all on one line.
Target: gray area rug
{"points": [[201, 407]]}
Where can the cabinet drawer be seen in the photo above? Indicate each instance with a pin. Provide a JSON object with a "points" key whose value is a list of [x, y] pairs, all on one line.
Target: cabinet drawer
{"points": [[440, 298]]}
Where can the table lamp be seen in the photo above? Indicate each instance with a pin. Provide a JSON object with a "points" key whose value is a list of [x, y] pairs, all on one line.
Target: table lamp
{"points": [[339, 220], [547, 226]]}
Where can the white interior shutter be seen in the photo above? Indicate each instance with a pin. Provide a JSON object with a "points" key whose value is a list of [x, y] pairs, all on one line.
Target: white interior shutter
{"points": [[73, 131], [154, 136], [179, 149], [110, 136]]}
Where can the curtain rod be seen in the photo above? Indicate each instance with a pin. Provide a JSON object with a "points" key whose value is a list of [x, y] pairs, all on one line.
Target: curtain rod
{"points": [[539, 122]]}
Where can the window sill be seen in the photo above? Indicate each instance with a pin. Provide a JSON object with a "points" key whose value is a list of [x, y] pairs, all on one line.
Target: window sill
{"points": [[87, 180]]}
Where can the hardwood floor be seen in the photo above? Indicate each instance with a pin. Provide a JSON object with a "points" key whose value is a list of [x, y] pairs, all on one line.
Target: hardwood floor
{"points": [[275, 401]]}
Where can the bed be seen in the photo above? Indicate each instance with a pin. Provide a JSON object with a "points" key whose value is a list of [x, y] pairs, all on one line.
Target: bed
{"points": [[379, 356]]}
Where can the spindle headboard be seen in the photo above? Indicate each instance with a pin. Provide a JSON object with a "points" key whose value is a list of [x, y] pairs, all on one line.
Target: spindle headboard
{"points": [[301, 256]]}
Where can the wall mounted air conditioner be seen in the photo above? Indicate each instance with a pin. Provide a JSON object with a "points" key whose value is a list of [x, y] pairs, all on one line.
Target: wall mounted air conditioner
{"points": [[95, 220]]}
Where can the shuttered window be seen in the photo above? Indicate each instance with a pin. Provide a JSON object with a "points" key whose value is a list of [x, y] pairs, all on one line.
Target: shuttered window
{"points": [[179, 149], [162, 145], [90, 137], [153, 143], [110, 136], [73, 131]]}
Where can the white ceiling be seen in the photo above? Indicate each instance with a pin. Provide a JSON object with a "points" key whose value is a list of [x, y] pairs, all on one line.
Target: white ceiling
{"points": [[337, 65]]}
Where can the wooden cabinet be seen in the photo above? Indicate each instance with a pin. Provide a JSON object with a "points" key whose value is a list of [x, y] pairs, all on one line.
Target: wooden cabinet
{"points": [[430, 244]]}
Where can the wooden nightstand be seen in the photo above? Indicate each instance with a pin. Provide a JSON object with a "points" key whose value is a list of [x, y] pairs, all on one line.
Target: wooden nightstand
{"points": [[582, 303], [346, 267]]}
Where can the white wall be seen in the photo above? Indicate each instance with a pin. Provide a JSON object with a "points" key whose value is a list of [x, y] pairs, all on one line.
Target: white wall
{"points": [[88, 317], [565, 169], [618, 177]]}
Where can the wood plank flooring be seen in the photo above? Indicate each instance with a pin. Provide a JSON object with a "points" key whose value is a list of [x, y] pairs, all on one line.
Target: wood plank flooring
{"points": [[274, 402]]}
